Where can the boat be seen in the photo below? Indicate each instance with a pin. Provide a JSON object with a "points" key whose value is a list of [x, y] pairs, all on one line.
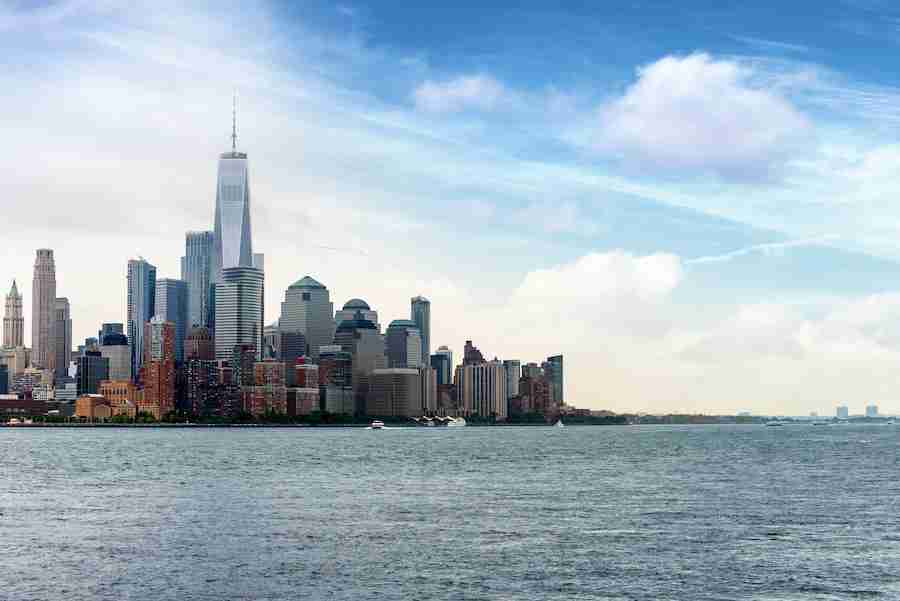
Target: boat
{"points": [[774, 423], [377, 425], [559, 424], [456, 423]]}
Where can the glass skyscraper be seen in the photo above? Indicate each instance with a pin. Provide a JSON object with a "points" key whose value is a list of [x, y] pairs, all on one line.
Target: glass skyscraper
{"points": [[172, 305], [197, 271], [239, 311], [141, 307], [232, 238], [420, 312]]}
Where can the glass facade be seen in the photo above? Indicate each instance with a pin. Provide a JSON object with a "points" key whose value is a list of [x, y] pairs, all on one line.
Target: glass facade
{"points": [[233, 245]]}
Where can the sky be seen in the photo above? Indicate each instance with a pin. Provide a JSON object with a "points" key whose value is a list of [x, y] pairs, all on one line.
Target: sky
{"points": [[696, 204]]}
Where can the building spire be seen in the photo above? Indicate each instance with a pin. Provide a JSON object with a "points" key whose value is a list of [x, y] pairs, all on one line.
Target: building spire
{"points": [[234, 123]]}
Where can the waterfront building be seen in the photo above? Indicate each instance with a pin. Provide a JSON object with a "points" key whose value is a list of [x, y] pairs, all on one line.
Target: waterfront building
{"points": [[534, 397], [354, 306], [404, 344], [420, 313], [62, 337], [171, 303], [239, 310], [232, 236], [121, 395], [429, 394], [481, 389], [115, 348], [92, 407], [66, 390], [513, 373], [842, 412], [395, 392], [203, 392], [93, 368], [13, 319], [871, 410], [199, 344], [141, 308], [159, 368], [307, 309], [553, 370], [336, 379], [43, 305], [196, 271], [269, 392], [442, 362], [471, 354], [303, 401], [361, 339]]}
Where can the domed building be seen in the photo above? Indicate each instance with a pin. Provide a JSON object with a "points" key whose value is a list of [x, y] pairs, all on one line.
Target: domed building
{"points": [[354, 306], [307, 308]]}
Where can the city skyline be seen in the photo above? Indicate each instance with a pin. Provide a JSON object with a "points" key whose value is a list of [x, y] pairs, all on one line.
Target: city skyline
{"points": [[511, 201]]}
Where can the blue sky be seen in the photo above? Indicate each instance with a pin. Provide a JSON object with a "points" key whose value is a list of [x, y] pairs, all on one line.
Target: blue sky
{"points": [[695, 203]]}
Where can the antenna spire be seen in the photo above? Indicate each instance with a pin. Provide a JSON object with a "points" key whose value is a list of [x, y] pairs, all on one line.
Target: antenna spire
{"points": [[234, 123]]}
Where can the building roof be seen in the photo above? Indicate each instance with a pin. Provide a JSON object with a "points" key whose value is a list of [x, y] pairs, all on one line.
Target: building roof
{"points": [[357, 303], [403, 323], [115, 340], [357, 323], [306, 282]]}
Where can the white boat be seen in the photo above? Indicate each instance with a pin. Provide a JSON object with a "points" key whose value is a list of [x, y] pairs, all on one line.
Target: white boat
{"points": [[559, 424], [774, 423], [458, 422], [377, 425]]}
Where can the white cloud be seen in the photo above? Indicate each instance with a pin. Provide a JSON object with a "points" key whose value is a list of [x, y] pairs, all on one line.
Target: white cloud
{"points": [[701, 114], [481, 92]]}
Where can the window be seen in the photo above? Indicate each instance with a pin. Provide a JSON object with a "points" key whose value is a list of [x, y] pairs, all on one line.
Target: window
{"points": [[306, 296]]}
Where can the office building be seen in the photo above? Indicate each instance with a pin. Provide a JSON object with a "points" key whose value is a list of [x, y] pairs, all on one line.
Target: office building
{"points": [[395, 392], [15, 359], [442, 362], [471, 354], [62, 337], [13, 319], [269, 392], [239, 310], [93, 368], [553, 370], [308, 309], [404, 344], [4, 379], [361, 339], [232, 236], [842, 412], [141, 308], [420, 313], [871, 410], [203, 391], [199, 344], [482, 389], [159, 368], [43, 306], [171, 303], [109, 328], [354, 306], [513, 373], [196, 272], [116, 350], [429, 394]]}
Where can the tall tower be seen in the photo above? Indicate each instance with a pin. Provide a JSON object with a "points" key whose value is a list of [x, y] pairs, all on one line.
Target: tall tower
{"points": [[43, 304], [13, 320], [141, 308], [171, 304], [233, 246], [196, 270], [420, 312], [62, 343], [307, 308], [239, 311]]}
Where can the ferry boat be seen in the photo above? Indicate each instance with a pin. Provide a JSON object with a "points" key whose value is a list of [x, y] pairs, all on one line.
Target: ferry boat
{"points": [[377, 425]]}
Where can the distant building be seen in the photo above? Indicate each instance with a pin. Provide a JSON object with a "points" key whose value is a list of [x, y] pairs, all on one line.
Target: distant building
{"points": [[239, 310], [269, 393], [171, 304], [361, 339], [404, 344], [13, 320], [92, 407], [4, 379], [62, 337], [159, 368], [93, 368], [43, 304], [196, 271], [553, 370], [336, 380], [354, 306], [871, 410], [307, 309], [842, 412], [481, 389], [122, 396], [203, 391], [199, 345], [16, 360], [420, 313], [471, 354], [395, 392], [513, 373], [442, 362], [141, 307], [291, 346], [115, 348], [110, 328]]}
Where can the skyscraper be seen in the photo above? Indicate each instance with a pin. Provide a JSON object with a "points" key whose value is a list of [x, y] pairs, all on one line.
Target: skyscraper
{"points": [[351, 307], [553, 370], [361, 339], [13, 320], [196, 270], [43, 305], [93, 368], [114, 347], [442, 362], [308, 309], [109, 328], [159, 361], [233, 246], [239, 310], [482, 389], [171, 303], [141, 307], [404, 344], [62, 337], [420, 312]]}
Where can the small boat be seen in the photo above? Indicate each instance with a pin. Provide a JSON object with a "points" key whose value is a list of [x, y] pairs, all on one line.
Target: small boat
{"points": [[377, 425], [456, 423], [774, 423], [559, 424]]}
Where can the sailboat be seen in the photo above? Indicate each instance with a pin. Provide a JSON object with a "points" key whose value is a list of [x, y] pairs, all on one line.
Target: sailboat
{"points": [[559, 424]]}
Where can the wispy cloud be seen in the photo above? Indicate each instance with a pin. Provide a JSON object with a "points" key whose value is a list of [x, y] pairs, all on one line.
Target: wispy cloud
{"points": [[767, 249], [480, 91]]}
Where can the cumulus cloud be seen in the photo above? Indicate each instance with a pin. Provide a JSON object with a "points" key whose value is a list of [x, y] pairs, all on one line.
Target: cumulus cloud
{"points": [[481, 92], [701, 114]]}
